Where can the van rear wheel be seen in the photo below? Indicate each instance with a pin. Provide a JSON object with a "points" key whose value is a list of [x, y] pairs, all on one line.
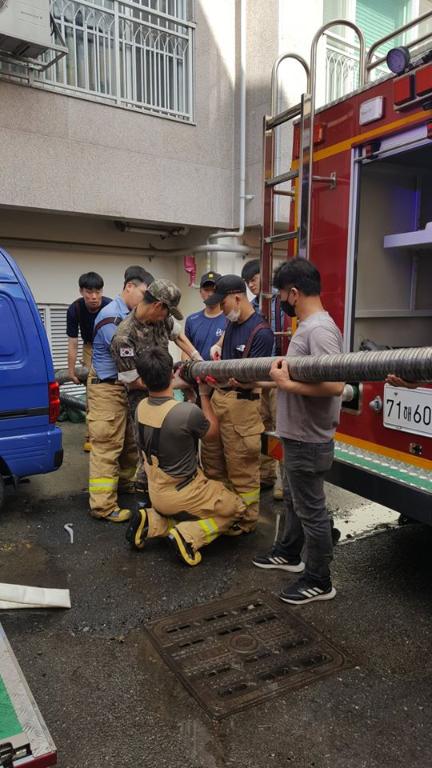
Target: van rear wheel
{"points": [[2, 486]]}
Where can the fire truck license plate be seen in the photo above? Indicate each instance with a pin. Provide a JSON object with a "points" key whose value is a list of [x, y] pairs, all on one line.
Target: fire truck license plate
{"points": [[409, 410]]}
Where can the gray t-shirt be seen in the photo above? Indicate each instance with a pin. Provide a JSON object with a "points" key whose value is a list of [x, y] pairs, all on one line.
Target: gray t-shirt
{"points": [[310, 419], [183, 426]]}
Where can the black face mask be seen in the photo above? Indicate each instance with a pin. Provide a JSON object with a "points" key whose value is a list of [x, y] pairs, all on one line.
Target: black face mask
{"points": [[288, 308]]}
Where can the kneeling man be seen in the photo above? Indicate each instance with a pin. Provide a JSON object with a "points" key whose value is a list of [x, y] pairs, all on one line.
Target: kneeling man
{"points": [[168, 438]]}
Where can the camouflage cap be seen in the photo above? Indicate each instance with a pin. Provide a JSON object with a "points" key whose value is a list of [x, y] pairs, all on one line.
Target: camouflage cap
{"points": [[168, 293]]}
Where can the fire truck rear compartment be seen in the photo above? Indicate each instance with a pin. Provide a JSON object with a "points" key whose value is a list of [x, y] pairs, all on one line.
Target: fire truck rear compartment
{"points": [[392, 295]]}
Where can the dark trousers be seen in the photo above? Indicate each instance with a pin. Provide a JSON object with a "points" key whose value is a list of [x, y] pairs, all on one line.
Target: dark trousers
{"points": [[306, 518]]}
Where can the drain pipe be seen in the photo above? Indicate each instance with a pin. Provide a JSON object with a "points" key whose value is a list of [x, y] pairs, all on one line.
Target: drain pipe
{"points": [[242, 152], [213, 246]]}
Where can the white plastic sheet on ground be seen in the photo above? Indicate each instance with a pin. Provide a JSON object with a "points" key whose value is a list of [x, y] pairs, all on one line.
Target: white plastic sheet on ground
{"points": [[18, 596]]}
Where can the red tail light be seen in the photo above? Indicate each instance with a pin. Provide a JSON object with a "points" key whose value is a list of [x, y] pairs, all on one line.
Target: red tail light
{"points": [[53, 401]]}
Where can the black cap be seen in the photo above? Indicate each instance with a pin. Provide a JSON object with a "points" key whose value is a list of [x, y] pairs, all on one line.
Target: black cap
{"points": [[209, 278], [224, 286]]}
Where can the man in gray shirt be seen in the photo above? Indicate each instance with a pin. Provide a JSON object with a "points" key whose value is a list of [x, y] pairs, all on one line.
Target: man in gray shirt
{"points": [[307, 417]]}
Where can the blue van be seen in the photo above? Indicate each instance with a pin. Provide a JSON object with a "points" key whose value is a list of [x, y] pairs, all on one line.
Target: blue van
{"points": [[30, 442]]}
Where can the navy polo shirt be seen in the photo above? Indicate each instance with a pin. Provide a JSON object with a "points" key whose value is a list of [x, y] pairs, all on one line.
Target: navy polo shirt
{"points": [[204, 331], [237, 336]]}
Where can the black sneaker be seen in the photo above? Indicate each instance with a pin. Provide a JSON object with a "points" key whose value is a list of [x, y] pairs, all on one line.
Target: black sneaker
{"points": [[182, 548], [273, 561], [137, 530], [303, 591]]}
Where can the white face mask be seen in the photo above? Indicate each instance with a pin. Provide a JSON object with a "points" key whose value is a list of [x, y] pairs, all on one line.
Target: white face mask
{"points": [[233, 315]]}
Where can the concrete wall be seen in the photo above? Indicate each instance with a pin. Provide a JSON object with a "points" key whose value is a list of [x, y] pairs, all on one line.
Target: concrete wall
{"points": [[62, 153], [70, 167], [262, 49]]}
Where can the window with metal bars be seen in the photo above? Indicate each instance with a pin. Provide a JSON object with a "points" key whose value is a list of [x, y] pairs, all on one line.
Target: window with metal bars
{"points": [[134, 53], [376, 18]]}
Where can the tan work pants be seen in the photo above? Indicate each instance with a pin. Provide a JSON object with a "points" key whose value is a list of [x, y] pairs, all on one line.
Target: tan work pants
{"points": [[268, 466], [235, 457], [113, 457], [87, 352], [216, 506], [140, 475]]}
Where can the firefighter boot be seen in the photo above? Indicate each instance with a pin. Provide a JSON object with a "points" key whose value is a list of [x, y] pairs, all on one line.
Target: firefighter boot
{"points": [[183, 549], [137, 530], [118, 516], [142, 494]]}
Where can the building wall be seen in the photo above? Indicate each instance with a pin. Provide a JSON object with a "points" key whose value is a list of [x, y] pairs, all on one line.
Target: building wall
{"points": [[274, 27], [54, 250], [61, 153], [71, 167]]}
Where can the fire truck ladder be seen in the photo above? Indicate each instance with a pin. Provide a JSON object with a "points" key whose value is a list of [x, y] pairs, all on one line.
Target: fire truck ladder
{"points": [[272, 182], [302, 178]]}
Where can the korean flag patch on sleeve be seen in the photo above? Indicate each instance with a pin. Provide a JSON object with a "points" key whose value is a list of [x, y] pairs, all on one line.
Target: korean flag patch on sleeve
{"points": [[126, 352]]}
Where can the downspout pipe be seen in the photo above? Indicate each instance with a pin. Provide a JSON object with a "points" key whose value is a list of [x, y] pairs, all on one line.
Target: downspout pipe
{"points": [[213, 245]]}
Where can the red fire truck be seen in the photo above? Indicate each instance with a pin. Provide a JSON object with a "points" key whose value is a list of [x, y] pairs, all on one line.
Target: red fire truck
{"points": [[362, 212]]}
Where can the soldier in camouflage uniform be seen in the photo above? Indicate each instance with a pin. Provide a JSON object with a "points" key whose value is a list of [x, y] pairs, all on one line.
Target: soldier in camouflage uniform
{"points": [[152, 323]]}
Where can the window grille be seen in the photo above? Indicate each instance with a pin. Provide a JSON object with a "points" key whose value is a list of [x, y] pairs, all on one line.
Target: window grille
{"points": [[133, 53], [342, 65]]}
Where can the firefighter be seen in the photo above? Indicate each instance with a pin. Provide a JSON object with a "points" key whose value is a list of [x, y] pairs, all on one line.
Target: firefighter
{"points": [[169, 431], [80, 319], [113, 457], [271, 470], [151, 324], [235, 456], [307, 417], [205, 328]]}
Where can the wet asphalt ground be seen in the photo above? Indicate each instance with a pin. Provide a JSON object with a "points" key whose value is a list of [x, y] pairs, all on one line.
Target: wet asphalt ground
{"points": [[109, 699]]}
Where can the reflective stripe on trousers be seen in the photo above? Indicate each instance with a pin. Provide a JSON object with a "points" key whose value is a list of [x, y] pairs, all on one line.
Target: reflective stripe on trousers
{"points": [[216, 506], [113, 456]]}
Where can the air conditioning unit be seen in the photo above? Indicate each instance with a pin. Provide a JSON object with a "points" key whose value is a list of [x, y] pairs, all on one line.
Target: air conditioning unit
{"points": [[25, 30]]}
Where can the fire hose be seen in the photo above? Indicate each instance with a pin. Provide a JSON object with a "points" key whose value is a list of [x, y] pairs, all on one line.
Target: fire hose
{"points": [[66, 399], [409, 364], [62, 375], [72, 402]]}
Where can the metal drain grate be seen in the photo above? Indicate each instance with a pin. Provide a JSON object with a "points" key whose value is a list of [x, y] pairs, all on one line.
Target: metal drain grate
{"points": [[233, 653]]}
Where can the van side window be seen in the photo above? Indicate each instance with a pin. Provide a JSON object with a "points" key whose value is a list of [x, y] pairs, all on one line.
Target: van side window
{"points": [[12, 345]]}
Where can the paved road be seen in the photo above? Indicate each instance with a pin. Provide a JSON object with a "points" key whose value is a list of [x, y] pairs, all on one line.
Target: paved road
{"points": [[109, 700]]}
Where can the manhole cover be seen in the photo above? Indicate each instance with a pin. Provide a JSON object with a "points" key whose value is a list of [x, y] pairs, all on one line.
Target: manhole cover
{"points": [[236, 652]]}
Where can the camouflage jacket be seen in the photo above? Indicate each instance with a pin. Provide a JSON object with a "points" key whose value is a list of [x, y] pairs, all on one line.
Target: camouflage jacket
{"points": [[131, 340]]}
